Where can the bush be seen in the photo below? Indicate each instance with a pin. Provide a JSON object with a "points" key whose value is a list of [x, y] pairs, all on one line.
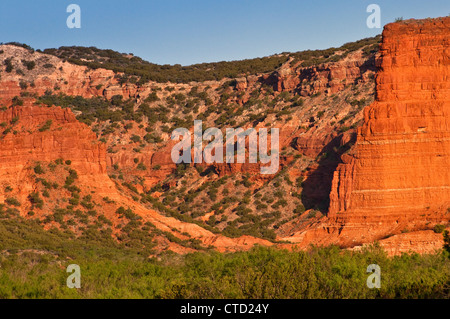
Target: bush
{"points": [[300, 209], [447, 241], [38, 169], [36, 200], [312, 214], [74, 201], [23, 85], [141, 167], [439, 228], [8, 64], [16, 101], [12, 201], [46, 126], [29, 64], [71, 178], [127, 213]]}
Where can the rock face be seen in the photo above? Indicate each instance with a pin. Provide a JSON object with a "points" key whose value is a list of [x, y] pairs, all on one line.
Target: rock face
{"points": [[399, 172], [402, 156], [53, 74], [327, 77], [27, 143], [67, 138]]}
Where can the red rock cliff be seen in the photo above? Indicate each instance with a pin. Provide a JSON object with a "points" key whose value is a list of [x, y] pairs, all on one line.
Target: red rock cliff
{"points": [[394, 185], [402, 156]]}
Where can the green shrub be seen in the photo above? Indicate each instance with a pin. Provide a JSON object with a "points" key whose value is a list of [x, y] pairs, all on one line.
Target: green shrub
{"points": [[12, 201], [439, 228], [447, 241], [312, 214], [300, 209], [135, 138], [46, 126], [74, 201], [38, 169], [16, 101], [29, 64], [8, 64], [141, 167], [36, 200], [23, 85]]}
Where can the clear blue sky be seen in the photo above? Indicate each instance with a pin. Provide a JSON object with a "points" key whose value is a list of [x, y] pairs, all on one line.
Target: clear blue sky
{"points": [[195, 31]]}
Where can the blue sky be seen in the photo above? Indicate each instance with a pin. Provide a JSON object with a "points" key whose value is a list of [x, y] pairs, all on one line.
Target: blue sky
{"points": [[195, 31]]}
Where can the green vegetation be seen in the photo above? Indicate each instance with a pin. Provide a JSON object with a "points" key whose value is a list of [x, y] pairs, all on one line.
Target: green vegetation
{"points": [[134, 67], [12, 201], [93, 108], [111, 270], [316, 57], [439, 228], [17, 102], [21, 45], [8, 64], [36, 200], [38, 169], [447, 241], [29, 64], [141, 167], [46, 126], [147, 71]]}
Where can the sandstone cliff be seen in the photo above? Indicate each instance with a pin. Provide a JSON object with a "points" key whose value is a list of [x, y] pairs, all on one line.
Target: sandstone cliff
{"points": [[396, 180]]}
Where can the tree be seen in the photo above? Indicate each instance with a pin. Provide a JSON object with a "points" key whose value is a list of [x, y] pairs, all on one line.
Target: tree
{"points": [[446, 241]]}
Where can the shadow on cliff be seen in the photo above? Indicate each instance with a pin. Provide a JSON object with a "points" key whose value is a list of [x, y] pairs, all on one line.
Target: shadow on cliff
{"points": [[317, 187]]}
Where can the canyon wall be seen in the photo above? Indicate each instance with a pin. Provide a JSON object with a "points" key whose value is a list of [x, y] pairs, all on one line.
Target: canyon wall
{"points": [[402, 155], [393, 186]]}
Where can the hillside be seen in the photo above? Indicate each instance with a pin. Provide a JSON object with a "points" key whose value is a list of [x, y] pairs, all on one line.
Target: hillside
{"points": [[138, 70]]}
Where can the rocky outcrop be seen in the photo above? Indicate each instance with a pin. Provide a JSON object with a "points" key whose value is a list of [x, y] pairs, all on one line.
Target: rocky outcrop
{"points": [[328, 78], [52, 74], [393, 186], [398, 176], [24, 142], [402, 156]]}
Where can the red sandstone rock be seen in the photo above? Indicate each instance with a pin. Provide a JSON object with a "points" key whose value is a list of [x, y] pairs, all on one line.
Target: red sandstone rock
{"points": [[397, 177], [402, 156]]}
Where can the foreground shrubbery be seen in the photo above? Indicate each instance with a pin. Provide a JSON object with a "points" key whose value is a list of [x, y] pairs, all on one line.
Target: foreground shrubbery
{"points": [[112, 271]]}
